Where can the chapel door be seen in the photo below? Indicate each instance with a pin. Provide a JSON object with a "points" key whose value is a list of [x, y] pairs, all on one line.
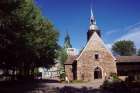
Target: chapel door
{"points": [[97, 73]]}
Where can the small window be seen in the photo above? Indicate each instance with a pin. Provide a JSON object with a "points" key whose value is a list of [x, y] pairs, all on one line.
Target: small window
{"points": [[96, 56]]}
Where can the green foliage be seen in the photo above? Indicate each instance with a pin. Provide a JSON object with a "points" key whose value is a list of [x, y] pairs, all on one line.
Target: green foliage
{"points": [[115, 77], [62, 56], [124, 48], [27, 39]]}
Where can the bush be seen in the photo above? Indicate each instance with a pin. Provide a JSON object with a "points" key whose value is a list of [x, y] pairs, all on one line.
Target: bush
{"points": [[115, 78]]}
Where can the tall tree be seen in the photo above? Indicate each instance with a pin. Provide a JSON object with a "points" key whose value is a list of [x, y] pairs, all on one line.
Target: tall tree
{"points": [[124, 48], [28, 40], [62, 56]]}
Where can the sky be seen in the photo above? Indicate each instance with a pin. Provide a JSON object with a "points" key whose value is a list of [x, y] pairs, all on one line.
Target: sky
{"points": [[117, 19]]}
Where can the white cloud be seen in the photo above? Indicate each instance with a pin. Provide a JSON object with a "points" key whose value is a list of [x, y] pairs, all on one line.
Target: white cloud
{"points": [[134, 36], [112, 31], [132, 33], [131, 28]]}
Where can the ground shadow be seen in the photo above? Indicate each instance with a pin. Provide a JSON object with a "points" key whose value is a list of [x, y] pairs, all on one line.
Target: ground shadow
{"points": [[42, 86], [69, 89], [116, 87], [25, 86]]}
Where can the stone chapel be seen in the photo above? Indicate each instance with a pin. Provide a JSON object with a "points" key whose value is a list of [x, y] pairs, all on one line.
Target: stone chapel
{"points": [[95, 61]]}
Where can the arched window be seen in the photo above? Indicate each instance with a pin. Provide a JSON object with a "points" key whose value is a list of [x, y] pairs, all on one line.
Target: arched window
{"points": [[97, 73]]}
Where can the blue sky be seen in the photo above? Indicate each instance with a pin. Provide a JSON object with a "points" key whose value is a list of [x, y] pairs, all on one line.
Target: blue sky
{"points": [[117, 19]]}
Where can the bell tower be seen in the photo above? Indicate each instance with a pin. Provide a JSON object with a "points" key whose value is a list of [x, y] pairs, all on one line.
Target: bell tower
{"points": [[92, 27]]}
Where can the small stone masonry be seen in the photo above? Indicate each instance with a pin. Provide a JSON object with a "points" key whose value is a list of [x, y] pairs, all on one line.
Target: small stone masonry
{"points": [[95, 59]]}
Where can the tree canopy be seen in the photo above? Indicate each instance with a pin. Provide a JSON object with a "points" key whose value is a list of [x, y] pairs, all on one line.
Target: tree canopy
{"points": [[124, 48], [27, 39]]}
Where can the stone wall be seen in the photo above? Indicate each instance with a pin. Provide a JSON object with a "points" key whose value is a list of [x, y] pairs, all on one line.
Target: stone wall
{"points": [[68, 71], [86, 62]]}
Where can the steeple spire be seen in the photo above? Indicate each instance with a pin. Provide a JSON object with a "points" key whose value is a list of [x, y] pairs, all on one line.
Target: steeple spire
{"points": [[67, 43], [92, 27], [91, 12], [92, 18]]}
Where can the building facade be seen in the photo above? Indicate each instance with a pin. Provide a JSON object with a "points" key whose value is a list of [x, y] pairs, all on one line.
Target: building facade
{"points": [[95, 61], [50, 73]]}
